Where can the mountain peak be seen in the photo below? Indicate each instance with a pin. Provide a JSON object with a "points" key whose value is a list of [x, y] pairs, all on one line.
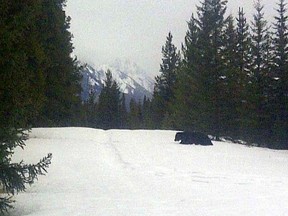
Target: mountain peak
{"points": [[132, 80], [126, 65]]}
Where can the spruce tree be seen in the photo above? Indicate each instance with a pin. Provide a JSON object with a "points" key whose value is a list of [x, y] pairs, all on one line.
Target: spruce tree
{"points": [[61, 72], [210, 72], [231, 80], [108, 107], [123, 112], [135, 114], [279, 98], [21, 58], [165, 82], [14, 177], [243, 42], [89, 108], [184, 112], [147, 113], [21, 93], [242, 63], [190, 48], [259, 75]]}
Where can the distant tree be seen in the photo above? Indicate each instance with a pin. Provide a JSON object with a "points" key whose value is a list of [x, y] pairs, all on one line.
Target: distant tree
{"points": [[135, 115], [123, 112], [108, 108], [165, 82], [147, 113], [89, 110]]}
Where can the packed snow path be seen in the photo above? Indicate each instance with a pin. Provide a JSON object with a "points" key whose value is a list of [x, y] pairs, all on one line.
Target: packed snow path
{"points": [[124, 172]]}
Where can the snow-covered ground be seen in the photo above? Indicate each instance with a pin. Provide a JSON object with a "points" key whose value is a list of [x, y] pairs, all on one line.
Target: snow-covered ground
{"points": [[131, 173]]}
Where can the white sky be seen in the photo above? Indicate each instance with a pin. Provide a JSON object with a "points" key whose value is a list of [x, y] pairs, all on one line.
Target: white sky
{"points": [[136, 29]]}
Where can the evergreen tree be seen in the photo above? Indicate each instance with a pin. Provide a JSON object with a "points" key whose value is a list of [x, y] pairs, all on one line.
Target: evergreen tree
{"points": [[15, 176], [135, 115], [21, 57], [210, 72], [171, 59], [147, 113], [89, 108], [21, 92], [190, 48], [62, 76], [231, 80], [184, 112], [108, 109], [199, 91], [242, 62], [279, 98], [259, 74], [123, 112], [165, 82], [243, 42]]}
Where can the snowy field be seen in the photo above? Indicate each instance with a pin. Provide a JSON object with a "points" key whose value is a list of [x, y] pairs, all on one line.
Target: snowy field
{"points": [[133, 173]]}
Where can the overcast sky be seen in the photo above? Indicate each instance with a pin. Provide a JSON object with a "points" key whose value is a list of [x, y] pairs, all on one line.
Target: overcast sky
{"points": [[105, 30]]}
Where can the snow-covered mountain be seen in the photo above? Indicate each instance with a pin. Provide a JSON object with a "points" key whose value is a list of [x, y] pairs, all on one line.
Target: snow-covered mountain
{"points": [[132, 80]]}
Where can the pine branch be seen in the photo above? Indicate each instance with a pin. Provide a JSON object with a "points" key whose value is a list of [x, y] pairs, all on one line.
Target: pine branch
{"points": [[5, 204], [15, 176]]}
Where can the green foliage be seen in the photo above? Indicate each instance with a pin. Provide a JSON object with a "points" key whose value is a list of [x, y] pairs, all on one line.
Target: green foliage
{"points": [[61, 71], [39, 83], [259, 74], [147, 113], [165, 82], [36, 66], [21, 54], [135, 115], [15, 176], [123, 113], [243, 43], [185, 108], [243, 63], [109, 104], [279, 89], [89, 111]]}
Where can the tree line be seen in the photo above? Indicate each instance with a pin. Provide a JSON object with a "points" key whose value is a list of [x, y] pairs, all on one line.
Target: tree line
{"points": [[230, 78], [111, 110]]}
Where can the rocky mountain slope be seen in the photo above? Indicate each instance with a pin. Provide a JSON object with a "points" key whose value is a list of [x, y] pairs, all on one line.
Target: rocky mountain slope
{"points": [[131, 79]]}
